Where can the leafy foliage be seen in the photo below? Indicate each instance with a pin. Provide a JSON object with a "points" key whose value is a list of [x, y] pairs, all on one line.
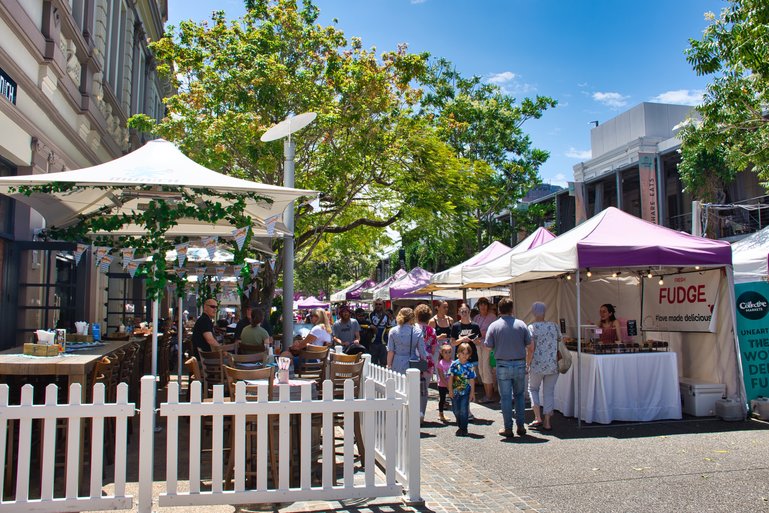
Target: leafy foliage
{"points": [[733, 133]]}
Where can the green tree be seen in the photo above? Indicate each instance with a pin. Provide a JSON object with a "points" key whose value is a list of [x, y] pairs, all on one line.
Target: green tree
{"points": [[732, 134], [375, 161], [484, 128]]}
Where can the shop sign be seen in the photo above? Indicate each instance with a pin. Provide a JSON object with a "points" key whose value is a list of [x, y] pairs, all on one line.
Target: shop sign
{"points": [[7, 87], [753, 333], [683, 302]]}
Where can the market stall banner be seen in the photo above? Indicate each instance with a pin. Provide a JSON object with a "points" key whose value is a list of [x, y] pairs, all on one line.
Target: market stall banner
{"points": [[753, 330], [683, 302]]}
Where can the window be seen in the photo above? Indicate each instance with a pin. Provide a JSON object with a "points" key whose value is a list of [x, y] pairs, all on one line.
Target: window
{"points": [[116, 32]]}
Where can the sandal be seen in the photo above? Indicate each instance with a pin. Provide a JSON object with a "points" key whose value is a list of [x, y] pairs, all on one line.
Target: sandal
{"points": [[536, 424]]}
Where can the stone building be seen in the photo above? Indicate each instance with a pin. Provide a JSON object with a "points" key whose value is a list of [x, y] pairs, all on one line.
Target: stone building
{"points": [[71, 73]]}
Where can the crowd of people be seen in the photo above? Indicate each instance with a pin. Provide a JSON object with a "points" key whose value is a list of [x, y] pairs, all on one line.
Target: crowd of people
{"points": [[485, 344]]}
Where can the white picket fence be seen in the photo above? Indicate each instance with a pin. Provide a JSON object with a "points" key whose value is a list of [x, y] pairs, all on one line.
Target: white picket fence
{"points": [[388, 409], [20, 418]]}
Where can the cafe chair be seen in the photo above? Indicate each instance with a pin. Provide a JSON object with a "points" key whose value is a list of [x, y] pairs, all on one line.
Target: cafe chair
{"points": [[230, 347], [233, 376], [243, 361], [346, 358], [211, 369], [311, 363], [338, 373], [193, 370]]}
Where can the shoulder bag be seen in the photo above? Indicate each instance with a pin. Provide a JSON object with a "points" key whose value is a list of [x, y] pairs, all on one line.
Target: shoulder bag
{"points": [[564, 358], [415, 363]]}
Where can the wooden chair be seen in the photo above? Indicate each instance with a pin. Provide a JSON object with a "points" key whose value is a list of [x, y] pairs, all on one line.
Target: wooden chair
{"points": [[233, 376], [211, 369], [345, 358], [235, 360], [311, 363], [231, 347], [338, 373], [193, 369]]}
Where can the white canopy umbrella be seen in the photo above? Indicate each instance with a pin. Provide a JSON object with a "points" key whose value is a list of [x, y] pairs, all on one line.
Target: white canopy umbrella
{"points": [[156, 171]]}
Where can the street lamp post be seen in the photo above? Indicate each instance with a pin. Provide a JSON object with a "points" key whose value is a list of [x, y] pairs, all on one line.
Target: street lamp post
{"points": [[284, 129]]}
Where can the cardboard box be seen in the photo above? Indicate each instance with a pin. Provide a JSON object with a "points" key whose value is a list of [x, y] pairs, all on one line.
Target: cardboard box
{"points": [[699, 397], [41, 350]]}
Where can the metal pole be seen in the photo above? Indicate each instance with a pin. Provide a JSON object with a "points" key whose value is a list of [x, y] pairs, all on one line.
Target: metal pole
{"points": [[155, 308], [179, 348], [289, 151], [578, 370]]}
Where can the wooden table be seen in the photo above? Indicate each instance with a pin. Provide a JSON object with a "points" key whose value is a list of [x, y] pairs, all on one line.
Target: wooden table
{"points": [[76, 366]]}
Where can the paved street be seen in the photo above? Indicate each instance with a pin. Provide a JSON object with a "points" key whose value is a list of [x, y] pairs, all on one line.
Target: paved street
{"points": [[693, 465]]}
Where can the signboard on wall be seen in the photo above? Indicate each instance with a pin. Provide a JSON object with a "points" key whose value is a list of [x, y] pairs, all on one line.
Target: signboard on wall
{"points": [[648, 187], [753, 332], [683, 302], [8, 87]]}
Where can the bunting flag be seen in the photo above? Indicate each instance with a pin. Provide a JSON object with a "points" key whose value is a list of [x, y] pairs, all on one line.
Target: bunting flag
{"points": [[132, 267], [181, 252], [200, 272], [104, 263], [220, 271], [272, 263], [181, 273], [81, 248], [240, 236], [255, 269], [128, 255], [237, 269], [100, 252], [210, 244]]}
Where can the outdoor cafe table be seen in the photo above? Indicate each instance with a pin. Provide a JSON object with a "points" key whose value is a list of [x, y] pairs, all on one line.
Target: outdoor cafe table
{"points": [[76, 366], [627, 387]]}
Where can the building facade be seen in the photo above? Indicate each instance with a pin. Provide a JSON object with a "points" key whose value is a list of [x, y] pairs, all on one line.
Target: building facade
{"points": [[71, 73], [634, 167]]}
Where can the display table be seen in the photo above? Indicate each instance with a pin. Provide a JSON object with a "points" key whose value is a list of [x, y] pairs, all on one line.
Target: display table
{"points": [[627, 387]]}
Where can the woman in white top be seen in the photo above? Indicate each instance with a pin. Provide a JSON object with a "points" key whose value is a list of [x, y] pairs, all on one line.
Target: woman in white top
{"points": [[542, 364], [319, 335]]}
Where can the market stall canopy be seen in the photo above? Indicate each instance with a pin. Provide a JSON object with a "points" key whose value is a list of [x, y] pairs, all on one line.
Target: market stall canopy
{"points": [[368, 294], [310, 303], [355, 294], [453, 278], [343, 295], [610, 239], [751, 257], [154, 171], [412, 281]]}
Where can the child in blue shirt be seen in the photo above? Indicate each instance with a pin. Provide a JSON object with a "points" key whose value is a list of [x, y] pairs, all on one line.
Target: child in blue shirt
{"points": [[462, 387]]}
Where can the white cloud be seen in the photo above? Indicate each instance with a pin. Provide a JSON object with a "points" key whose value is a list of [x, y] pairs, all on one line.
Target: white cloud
{"points": [[613, 100], [681, 97], [561, 180], [418, 1], [574, 153], [509, 83]]}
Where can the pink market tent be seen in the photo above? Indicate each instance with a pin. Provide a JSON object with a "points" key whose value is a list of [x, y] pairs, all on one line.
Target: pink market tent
{"points": [[408, 283], [620, 250], [454, 278], [368, 294], [310, 303], [352, 292]]}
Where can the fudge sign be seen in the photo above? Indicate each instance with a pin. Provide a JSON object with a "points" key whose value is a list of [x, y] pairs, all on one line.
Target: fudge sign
{"points": [[682, 302]]}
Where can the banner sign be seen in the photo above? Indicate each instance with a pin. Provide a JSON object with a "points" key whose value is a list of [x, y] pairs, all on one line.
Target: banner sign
{"points": [[648, 187], [753, 332], [684, 302]]}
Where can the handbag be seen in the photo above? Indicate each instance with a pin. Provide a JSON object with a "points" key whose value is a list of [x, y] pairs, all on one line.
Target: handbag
{"points": [[564, 358], [415, 363], [492, 359]]}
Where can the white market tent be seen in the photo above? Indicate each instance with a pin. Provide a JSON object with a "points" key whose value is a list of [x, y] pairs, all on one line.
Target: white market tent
{"points": [[750, 257], [601, 244]]}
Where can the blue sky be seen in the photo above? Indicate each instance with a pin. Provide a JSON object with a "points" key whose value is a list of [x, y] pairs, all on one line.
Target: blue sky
{"points": [[598, 58]]}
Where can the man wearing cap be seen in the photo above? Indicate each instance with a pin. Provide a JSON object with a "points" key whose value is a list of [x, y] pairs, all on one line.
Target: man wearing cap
{"points": [[345, 330]]}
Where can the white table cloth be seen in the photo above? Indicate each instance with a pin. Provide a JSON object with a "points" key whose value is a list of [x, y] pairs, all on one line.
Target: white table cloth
{"points": [[627, 387]]}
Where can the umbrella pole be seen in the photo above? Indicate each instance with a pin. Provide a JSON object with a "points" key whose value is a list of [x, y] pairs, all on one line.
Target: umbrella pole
{"points": [[155, 308], [180, 333]]}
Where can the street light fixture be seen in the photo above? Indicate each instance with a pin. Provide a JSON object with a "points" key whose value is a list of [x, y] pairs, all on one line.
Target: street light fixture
{"points": [[284, 129]]}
